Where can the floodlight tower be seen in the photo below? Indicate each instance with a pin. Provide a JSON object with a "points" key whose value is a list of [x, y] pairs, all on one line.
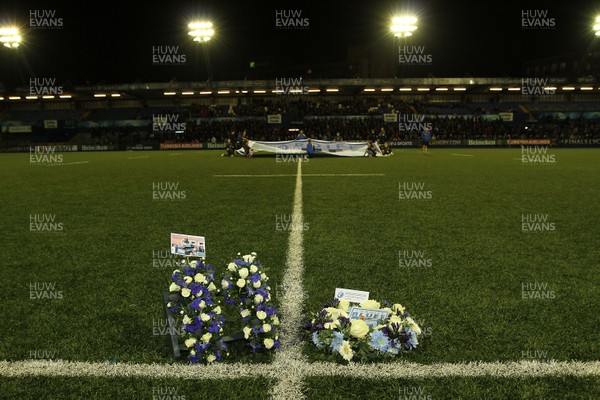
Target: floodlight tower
{"points": [[402, 27], [597, 26], [202, 32], [10, 37]]}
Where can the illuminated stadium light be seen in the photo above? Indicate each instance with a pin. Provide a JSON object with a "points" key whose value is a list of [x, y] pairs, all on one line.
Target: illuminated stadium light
{"points": [[441, 89], [550, 88], [277, 91], [296, 90], [403, 26], [1, 98], [568, 88], [368, 90], [586, 88], [514, 89], [459, 89], [31, 97], [387, 89], [201, 31], [495, 89], [423, 89], [223, 92], [65, 96], [206, 92], [405, 89], [14, 97], [100, 95], [332, 90], [597, 26], [314, 90], [47, 97], [187, 93], [169, 93], [10, 37], [115, 95], [259, 91], [243, 91]]}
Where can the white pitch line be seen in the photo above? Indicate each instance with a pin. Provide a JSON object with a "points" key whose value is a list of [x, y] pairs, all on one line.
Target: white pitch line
{"points": [[69, 163], [134, 158], [463, 155], [288, 360], [280, 175], [498, 369], [175, 154]]}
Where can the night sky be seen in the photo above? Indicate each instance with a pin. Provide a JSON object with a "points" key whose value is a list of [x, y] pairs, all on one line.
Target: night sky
{"points": [[111, 41]]}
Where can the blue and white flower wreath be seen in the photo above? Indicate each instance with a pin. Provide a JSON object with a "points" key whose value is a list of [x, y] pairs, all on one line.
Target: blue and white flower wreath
{"points": [[244, 285]]}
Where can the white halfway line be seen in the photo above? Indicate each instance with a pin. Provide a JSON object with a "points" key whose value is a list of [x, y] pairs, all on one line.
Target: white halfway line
{"points": [[133, 158], [70, 163], [280, 175], [463, 155], [288, 360], [498, 369]]}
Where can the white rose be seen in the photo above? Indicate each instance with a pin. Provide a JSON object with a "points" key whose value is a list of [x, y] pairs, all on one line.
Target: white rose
{"points": [[232, 266], [261, 315], [188, 279], [211, 358], [244, 273], [200, 278], [205, 317], [206, 337], [343, 305], [247, 331], [212, 287], [241, 283], [202, 304], [268, 342], [263, 276], [256, 284], [253, 269], [185, 292], [246, 257], [193, 263], [266, 328], [190, 342], [217, 310], [224, 284], [258, 299], [187, 320], [275, 320], [245, 313], [174, 287]]}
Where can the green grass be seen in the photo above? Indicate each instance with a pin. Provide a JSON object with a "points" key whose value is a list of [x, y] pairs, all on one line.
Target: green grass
{"points": [[469, 300]]}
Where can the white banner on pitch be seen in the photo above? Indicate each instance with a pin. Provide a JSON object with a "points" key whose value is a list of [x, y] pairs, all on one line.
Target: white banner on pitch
{"points": [[347, 149]]}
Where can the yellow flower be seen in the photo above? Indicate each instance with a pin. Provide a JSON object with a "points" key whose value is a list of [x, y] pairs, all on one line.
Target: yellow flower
{"points": [[268, 342], [204, 317], [245, 313], [212, 287], [188, 279], [358, 328], [346, 351], [206, 337], [398, 308], [343, 305], [187, 320], [174, 287], [189, 342], [217, 310], [261, 315], [275, 320], [211, 358], [370, 304], [247, 331]]}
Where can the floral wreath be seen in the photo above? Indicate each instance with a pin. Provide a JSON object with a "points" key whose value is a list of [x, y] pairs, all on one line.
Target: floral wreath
{"points": [[192, 294], [332, 331]]}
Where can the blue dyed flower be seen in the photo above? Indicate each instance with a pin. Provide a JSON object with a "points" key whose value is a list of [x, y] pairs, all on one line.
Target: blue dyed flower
{"points": [[379, 341], [315, 339], [337, 341]]}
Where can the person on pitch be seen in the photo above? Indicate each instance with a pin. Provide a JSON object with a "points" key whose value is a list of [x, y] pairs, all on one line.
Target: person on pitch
{"points": [[229, 149], [310, 148], [425, 138]]}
